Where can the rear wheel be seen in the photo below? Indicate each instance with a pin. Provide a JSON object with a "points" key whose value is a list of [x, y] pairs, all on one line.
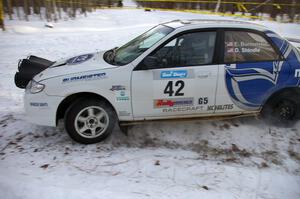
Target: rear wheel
{"points": [[286, 110], [89, 121], [281, 111]]}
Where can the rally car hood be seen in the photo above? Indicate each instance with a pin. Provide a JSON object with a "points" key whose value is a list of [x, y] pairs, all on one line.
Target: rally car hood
{"points": [[73, 65]]}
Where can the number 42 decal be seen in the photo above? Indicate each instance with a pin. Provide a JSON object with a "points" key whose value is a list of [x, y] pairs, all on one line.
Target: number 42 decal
{"points": [[179, 86]]}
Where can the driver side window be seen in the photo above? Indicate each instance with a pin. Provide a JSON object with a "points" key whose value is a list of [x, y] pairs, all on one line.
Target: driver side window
{"points": [[190, 49]]}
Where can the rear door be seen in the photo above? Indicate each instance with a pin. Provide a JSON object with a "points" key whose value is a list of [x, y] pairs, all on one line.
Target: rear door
{"points": [[182, 79], [250, 72]]}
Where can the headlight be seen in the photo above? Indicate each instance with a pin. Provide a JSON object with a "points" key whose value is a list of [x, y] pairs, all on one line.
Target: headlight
{"points": [[35, 87]]}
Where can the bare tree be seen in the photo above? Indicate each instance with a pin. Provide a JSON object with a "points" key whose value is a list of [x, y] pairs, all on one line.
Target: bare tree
{"points": [[48, 10], [293, 11], [73, 9], [9, 9], [16, 3], [59, 4], [36, 6], [54, 10], [2, 15], [83, 7], [26, 8]]}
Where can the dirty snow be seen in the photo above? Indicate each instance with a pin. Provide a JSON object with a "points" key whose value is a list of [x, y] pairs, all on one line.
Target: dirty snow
{"points": [[240, 158]]}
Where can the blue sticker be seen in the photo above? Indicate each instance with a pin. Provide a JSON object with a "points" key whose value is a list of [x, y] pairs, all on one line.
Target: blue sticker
{"points": [[173, 74], [79, 59]]}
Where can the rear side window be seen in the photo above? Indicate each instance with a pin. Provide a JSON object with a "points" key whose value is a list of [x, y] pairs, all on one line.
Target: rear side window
{"points": [[243, 46]]}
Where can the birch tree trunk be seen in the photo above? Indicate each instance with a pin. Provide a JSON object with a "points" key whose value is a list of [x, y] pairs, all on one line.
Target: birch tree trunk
{"points": [[218, 6]]}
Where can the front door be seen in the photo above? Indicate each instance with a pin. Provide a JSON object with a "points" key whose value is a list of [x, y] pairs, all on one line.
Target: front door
{"points": [[180, 78]]}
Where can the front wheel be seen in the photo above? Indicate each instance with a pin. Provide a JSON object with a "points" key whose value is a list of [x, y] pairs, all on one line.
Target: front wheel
{"points": [[89, 121]]}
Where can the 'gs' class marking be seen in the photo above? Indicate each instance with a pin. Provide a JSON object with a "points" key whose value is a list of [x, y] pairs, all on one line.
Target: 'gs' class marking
{"points": [[203, 100]]}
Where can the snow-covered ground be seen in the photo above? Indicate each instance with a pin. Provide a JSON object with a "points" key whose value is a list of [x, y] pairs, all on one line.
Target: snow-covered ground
{"points": [[240, 158]]}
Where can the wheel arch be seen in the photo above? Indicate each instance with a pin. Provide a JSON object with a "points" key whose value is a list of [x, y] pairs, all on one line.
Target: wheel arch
{"points": [[289, 91], [67, 101]]}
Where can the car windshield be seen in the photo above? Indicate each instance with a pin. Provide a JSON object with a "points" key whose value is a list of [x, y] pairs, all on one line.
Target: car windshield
{"points": [[134, 48]]}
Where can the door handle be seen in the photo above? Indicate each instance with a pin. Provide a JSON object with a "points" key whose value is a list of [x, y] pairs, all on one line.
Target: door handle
{"points": [[203, 75]]}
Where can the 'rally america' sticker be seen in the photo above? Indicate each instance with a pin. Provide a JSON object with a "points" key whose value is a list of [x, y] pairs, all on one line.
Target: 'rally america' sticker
{"points": [[164, 103]]}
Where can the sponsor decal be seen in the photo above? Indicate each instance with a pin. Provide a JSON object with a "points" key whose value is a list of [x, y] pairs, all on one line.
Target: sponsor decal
{"points": [[183, 109], [173, 74], [38, 104], [124, 113], [164, 103], [117, 88], [121, 96], [79, 59], [243, 50], [220, 107], [297, 73], [244, 47], [84, 77]]}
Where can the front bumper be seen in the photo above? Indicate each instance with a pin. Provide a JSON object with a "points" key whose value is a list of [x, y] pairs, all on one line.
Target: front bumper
{"points": [[41, 108]]}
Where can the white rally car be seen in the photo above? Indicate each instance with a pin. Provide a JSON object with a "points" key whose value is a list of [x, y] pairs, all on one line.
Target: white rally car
{"points": [[179, 69]]}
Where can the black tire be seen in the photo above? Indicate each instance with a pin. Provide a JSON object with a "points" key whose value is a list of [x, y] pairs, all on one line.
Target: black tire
{"points": [[83, 106], [281, 111]]}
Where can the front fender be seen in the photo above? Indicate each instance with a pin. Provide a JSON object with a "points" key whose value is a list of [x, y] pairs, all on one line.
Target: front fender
{"points": [[115, 90]]}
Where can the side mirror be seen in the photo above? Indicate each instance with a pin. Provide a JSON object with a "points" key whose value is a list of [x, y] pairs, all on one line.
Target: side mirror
{"points": [[150, 62]]}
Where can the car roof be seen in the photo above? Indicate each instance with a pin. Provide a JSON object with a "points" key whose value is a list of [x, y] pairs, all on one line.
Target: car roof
{"points": [[210, 23]]}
